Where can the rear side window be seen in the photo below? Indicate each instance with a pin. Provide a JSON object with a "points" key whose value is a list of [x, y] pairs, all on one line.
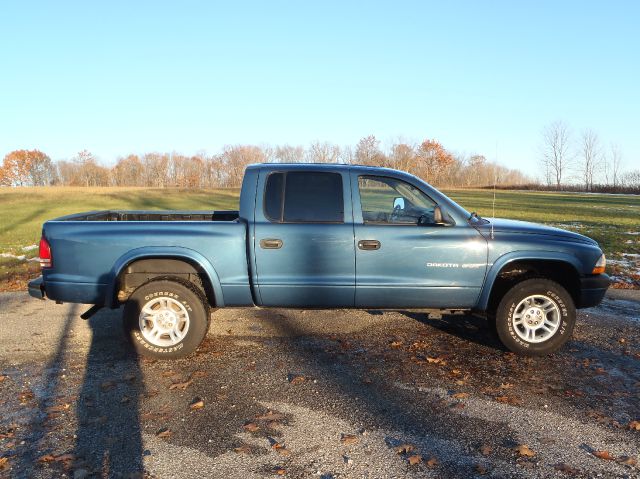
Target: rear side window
{"points": [[304, 197], [273, 195]]}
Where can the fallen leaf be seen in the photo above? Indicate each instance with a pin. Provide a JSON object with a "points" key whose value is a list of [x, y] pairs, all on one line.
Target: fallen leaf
{"points": [[251, 427], [183, 385], [562, 467], [481, 469], [280, 471], [506, 386], [512, 400], [634, 425], [65, 457], [396, 344], [460, 395], [164, 432], [4, 462], [244, 449], [432, 462], [404, 448], [270, 416], [59, 408], [414, 459], [46, 458], [436, 361], [197, 403], [629, 461], [485, 449], [107, 385], [348, 439], [2, 378], [296, 378], [523, 450], [168, 373], [198, 374], [606, 455]]}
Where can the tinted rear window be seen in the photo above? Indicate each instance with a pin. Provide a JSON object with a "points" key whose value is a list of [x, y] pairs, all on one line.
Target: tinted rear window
{"points": [[273, 196], [309, 197]]}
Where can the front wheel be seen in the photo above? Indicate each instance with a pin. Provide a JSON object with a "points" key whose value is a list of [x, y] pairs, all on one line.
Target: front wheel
{"points": [[166, 319], [536, 317]]}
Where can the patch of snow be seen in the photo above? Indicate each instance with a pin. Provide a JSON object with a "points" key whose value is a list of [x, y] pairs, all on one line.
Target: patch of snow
{"points": [[13, 256], [633, 233], [31, 247]]}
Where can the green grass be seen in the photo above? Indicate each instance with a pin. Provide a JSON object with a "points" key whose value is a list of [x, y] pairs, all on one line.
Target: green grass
{"points": [[606, 218], [23, 210]]}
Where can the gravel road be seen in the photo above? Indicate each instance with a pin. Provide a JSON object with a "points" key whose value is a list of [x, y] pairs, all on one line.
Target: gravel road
{"points": [[327, 394]]}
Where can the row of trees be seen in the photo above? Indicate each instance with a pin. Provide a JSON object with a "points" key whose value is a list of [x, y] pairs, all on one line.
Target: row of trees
{"points": [[428, 160], [584, 159]]}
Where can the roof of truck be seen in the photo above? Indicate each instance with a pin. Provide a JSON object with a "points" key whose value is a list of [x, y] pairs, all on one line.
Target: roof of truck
{"points": [[320, 166]]}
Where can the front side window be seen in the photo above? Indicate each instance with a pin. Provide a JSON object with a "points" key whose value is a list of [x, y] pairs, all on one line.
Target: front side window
{"points": [[391, 201], [304, 197]]}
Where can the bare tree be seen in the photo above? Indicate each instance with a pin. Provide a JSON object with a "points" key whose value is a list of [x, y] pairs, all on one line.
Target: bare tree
{"points": [[368, 152], [323, 152], [616, 164], [591, 157], [289, 154], [556, 159]]}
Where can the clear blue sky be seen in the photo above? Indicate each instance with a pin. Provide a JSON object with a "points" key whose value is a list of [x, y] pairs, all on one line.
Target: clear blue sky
{"points": [[118, 77]]}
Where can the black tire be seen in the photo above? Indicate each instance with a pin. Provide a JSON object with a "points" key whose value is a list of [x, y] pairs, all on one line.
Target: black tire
{"points": [[514, 326], [185, 302]]}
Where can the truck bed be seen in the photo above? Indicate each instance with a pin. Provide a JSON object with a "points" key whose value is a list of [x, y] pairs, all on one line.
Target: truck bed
{"points": [[151, 215]]}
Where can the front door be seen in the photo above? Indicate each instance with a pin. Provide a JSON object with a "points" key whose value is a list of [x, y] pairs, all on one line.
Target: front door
{"points": [[304, 248], [403, 258]]}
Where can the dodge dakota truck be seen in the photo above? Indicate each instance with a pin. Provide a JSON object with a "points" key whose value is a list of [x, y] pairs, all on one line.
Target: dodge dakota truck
{"points": [[321, 236]]}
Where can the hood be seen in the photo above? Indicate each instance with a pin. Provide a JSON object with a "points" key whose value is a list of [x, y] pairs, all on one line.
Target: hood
{"points": [[501, 225]]}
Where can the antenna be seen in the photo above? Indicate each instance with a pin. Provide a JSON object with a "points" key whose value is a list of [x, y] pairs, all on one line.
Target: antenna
{"points": [[495, 179]]}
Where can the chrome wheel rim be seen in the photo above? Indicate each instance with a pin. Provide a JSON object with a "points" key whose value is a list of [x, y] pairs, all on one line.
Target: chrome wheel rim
{"points": [[164, 321], [536, 318]]}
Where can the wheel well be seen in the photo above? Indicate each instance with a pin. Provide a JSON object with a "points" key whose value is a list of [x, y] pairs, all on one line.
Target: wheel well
{"points": [[141, 271], [512, 273]]}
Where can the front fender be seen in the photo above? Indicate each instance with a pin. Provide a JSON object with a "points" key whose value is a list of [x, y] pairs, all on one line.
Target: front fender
{"points": [[173, 252], [502, 261]]}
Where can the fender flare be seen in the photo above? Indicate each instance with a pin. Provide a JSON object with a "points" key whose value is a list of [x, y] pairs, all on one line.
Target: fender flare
{"points": [[169, 252], [502, 261]]}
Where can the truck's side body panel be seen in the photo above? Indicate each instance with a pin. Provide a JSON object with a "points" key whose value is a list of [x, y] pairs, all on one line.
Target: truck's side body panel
{"points": [[87, 255]]}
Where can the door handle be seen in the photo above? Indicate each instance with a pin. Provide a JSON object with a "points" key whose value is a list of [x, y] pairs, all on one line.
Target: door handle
{"points": [[271, 243], [369, 244]]}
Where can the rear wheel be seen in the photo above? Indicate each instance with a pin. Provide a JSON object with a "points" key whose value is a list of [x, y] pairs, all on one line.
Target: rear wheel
{"points": [[536, 317], [166, 319]]}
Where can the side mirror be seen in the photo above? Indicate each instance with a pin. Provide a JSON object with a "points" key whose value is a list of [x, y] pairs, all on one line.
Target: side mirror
{"points": [[437, 215], [398, 203], [438, 218]]}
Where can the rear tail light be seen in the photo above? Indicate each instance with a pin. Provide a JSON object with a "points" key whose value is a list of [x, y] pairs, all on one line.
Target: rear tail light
{"points": [[45, 254], [600, 265]]}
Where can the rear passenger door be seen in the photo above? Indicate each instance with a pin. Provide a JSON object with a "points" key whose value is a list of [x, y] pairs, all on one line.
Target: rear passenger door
{"points": [[304, 244]]}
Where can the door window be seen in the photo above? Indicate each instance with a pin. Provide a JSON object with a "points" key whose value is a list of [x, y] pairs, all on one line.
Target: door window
{"points": [[304, 197], [391, 201]]}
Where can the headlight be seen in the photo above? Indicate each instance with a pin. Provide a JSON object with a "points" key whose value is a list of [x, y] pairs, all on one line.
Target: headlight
{"points": [[600, 265]]}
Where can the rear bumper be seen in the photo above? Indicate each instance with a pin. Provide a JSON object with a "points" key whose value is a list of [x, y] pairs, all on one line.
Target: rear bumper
{"points": [[592, 290], [84, 293], [36, 288]]}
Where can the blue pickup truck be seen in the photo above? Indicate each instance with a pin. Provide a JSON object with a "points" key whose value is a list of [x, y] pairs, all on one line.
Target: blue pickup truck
{"points": [[321, 236]]}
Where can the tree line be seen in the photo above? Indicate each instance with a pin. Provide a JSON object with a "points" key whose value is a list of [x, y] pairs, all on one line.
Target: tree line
{"points": [[583, 162], [428, 160]]}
